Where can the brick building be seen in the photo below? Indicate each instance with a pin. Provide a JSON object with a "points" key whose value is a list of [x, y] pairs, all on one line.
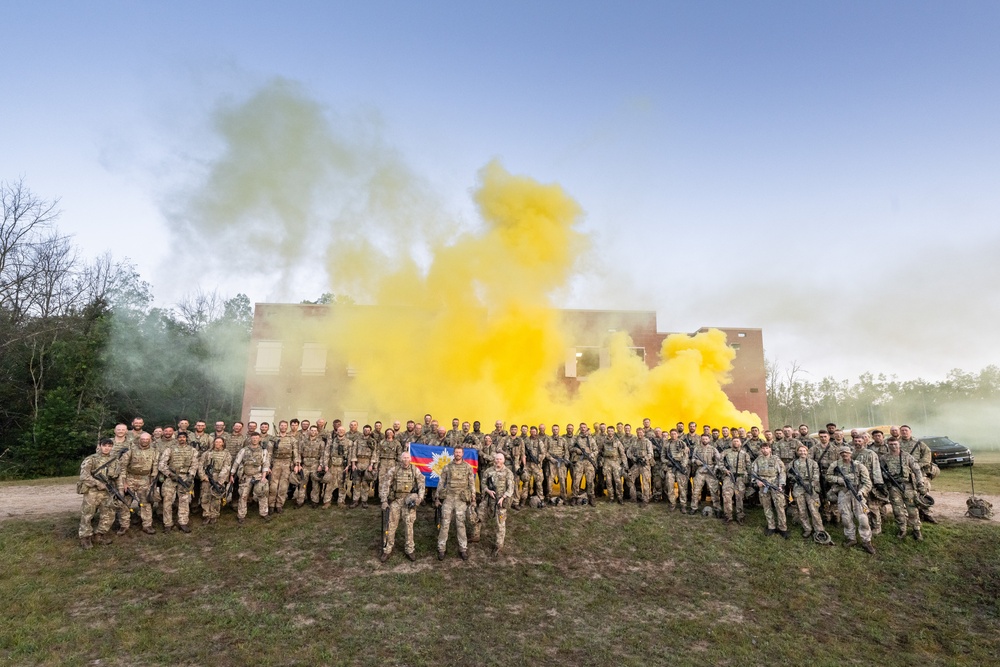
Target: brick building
{"points": [[297, 378]]}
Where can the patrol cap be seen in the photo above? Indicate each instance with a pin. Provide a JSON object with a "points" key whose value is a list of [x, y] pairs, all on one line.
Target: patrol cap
{"points": [[843, 449]]}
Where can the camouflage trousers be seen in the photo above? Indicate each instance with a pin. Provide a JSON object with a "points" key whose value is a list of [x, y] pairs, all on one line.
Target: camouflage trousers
{"points": [[874, 514], [453, 507], [397, 509], [774, 508], [309, 473], [533, 481], [260, 491], [904, 507], [613, 479], [140, 487], [499, 520], [211, 501], [362, 481], [336, 480], [583, 471], [557, 475], [642, 473], [851, 508], [732, 495], [96, 501], [277, 492], [809, 515], [681, 493], [702, 479], [172, 490], [657, 472]]}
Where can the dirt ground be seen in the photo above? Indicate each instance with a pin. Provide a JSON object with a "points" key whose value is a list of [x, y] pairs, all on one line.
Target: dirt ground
{"points": [[28, 501]]}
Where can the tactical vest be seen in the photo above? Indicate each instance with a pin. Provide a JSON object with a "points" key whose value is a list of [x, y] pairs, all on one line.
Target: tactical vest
{"points": [[459, 477], [365, 450], [217, 461], [737, 463], [142, 462], [253, 462], [802, 468], [403, 480], [282, 449], [767, 467], [854, 476], [309, 451], [180, 459], [500, 481], [387, 453], [609, 451], [895, 466], [338, 450]]}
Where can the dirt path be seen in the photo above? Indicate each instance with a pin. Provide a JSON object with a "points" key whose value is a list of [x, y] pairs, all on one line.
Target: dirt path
{"points": [[29, 501]]}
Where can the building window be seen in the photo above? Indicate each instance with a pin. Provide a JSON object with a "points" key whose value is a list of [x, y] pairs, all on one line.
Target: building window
{"points": [[754, 390], [742, 334], [735, 346], [639, 352], [268, 357], [261, 415], [314, 359]]}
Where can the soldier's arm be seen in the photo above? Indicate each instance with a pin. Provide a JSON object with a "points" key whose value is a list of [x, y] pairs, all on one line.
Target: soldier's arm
{"points": [[237, 463], [876, 471], [85, 468], [781, 474], [440, 491], [227, 465], [265, 467], [384, 486], [918, 475], [165, 461], [864, 479], [421, 485]]}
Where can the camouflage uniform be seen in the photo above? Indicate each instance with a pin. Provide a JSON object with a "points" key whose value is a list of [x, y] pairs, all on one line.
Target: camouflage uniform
{"points": [[848, 505], [219, 461], [335, 459], [96, 499], [140, 467], [535, 454], [201, 441], [771, 469], [870, 460], [364, 454], [283, 451], [512, 447], [735, 467], [614, 459], [399, 486], [309, 453], [178, 461], [502, 483], [919, 450], [906, 471], [705, 476], [825, 456], [641, 457], [388, 457], [583, 456], [456, 490], [807, 499], [678, 450], [252, 465], [558, 457]]}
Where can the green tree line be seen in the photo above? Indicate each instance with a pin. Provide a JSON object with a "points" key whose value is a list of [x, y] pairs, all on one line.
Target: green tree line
{"points": [[82, 347]]}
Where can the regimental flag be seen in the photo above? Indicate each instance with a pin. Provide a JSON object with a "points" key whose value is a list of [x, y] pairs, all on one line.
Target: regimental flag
{"points": [[431, 459]]}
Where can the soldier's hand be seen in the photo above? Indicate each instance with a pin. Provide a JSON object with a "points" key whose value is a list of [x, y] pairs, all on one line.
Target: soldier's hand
{"points": [[385, 505], [437, 503]]}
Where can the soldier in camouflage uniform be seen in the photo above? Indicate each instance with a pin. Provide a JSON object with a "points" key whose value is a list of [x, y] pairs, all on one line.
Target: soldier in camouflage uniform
{"points": [[919, 450], [456, 490], [852, 506], [498, 433], [583, 455], [498, 487], [179, 464], [676, 472], [336, 461], [199, 438], [96, 498], [512, 447], [404, 438], [825, 454], [869, 458], [641, 457], [132, 437], [771, 471], [388, 456], [401, 490], [140, 466], [535, 455], [734, 465], [214, 467], [309, 453], [282, 454], [252, 466], [364, 464], [705, 474], [558, 461], [806, 492], [905, 470]]}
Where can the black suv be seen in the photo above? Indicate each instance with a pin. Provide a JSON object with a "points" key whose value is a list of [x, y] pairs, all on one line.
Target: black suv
{"points": [[947, 452]]}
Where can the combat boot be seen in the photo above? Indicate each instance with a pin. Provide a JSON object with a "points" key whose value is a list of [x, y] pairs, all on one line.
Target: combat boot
{"points": [[850, 543], [463, 554], [183, 527], [440, 554], [867, 546], [901, 534], [918, 536], [409, 554], [86, 543], [927, 518], [384, 557], [278, 509], [806, 534], [240, 520], [783, 533], [149, 530], [102, 538], [121, 532], [769, 532]]}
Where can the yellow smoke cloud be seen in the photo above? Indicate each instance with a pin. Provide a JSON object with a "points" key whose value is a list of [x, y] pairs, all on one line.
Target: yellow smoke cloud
{"points": [[473, 331]]}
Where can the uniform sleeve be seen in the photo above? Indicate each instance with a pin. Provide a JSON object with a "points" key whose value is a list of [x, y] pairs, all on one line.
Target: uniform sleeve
{"points": [[227, 465], [421, 482], [813, 473], [164, 465], [238, 462], [442, 491], [781, 474], [472, 487], [864, 479], [86, 466], [833, 476], [876, 470], [265, 465], [386, 484]]}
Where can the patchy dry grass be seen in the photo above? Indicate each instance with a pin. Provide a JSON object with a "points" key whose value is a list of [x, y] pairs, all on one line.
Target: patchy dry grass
{"points": [[987, 476], [577, 586]]}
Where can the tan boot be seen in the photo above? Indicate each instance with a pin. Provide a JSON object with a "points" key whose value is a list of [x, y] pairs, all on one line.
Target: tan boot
{"points": [[86, 543]]}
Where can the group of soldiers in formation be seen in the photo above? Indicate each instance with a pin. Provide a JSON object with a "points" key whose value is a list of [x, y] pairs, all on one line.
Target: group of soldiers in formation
{"points": [[821, 479]]}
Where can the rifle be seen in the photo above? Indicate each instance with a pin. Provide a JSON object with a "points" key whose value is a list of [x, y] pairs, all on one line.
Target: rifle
{"points": [[770, 487], [385, 528], [155, 482], [850, 486], [892, 480], [732, 475], [181, 483], [216, 486], [695, 454], [586, 455], [806, 486], [438, 515], [753, 457], [531, 456], [112, 489], [675, 463]]}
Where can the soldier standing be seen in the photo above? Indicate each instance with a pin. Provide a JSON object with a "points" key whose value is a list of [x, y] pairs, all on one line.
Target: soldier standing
{"points": [[252, 466], [308, 462], [498, 488], [583, 456], [735, 467], [825, 454], [141, 466], [282, 454], [806, 491], [641, 456], [456, 490], [336, 461], [388, 456], [706, 457], [919, 450], [850, 501], [214, 471], [364, 463], [905, 470], [614, 460], [869, 458], [535, 455], [96, 498], [676, 470], [770, 478], [179, 464], [401, 490]]}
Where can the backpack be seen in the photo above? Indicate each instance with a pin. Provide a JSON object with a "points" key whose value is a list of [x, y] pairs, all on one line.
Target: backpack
{"points": [[979, 508]]}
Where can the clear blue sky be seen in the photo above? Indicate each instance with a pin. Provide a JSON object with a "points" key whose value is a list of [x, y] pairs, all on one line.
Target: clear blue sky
{"points": [[829, 172]]}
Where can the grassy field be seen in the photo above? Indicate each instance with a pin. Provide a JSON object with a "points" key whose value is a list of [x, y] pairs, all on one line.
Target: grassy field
{"points": [[578, 586]]}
